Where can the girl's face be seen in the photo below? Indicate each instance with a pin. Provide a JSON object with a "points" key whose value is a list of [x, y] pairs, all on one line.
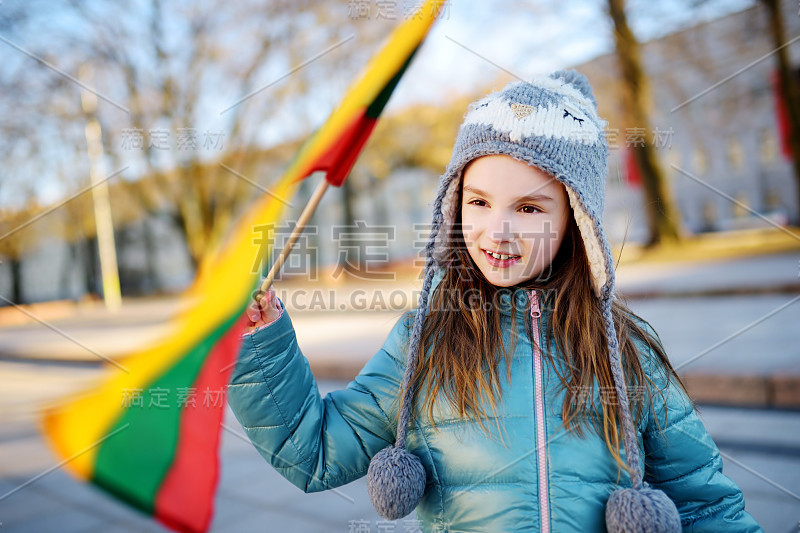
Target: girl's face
{"points": [[514, 218]]}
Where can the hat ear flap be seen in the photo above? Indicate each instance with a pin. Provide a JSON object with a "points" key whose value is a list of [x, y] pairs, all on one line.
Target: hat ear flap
{"points": [[448, 195], [396, 478], [594, 242]]}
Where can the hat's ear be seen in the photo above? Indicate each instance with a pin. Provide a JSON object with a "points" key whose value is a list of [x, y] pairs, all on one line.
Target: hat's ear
{"points": [[577, 80]]}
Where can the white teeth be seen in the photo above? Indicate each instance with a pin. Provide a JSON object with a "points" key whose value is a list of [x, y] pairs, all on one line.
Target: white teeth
{"points": [[500, 256]]}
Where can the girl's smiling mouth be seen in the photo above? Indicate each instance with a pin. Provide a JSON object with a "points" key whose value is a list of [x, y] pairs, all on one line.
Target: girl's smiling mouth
{"points": [[500, 260]]}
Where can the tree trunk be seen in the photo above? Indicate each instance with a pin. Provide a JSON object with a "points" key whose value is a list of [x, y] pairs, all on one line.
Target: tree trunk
{"points": [[181, 225], [90, 270], [153, 283], [788, 88], [663, 217], [16, 280]]}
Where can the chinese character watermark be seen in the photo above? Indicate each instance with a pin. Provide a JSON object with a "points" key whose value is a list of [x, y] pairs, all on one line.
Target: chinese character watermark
{"points": [[409, 525], [636, 137], [663, 138], [186, 139], [363, 250], [166, 398], [389, 9]]}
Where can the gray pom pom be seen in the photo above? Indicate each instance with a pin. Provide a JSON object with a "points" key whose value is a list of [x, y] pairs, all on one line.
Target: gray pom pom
{"points": [[641, 511], [395, 482], [577, 80]]}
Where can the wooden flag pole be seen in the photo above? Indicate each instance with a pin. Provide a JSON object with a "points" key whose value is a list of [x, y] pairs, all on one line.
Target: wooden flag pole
{"points": [[308, 210]]}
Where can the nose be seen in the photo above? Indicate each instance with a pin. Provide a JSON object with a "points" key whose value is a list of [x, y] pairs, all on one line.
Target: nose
{"points": [[500, 229]]}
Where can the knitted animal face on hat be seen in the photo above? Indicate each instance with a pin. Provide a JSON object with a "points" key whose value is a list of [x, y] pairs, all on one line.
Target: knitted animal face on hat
{"points": [[550, 123]]}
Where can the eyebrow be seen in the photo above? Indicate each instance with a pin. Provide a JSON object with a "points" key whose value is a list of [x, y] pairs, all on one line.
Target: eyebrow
{"points": [[526, 198]]}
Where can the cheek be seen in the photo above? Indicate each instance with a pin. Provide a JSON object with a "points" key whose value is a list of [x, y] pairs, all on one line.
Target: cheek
{"points": [[561, 230], [468, 228], [469, 236], [547, 234]]}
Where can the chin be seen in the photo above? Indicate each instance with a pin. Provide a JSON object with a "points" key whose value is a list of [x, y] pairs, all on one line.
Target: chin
{"points": [[502, 283], [499, 280]]}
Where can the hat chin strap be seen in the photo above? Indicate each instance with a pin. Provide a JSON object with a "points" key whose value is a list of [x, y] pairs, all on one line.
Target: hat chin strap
{"points": [[396, 479], [639, 508]]}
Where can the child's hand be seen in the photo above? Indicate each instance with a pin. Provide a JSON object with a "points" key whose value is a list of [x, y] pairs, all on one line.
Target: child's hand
{"points": [[267, 310]]}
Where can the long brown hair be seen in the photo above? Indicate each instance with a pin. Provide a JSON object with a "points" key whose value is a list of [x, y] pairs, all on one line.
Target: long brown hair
{"points": [[463, 332]]}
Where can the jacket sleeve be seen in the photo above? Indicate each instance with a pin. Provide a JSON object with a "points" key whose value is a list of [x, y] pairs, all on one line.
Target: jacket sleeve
{"points": [[316, 443], [682, 460]]}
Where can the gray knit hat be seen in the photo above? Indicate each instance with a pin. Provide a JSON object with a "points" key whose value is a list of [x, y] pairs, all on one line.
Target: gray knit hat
{"points": [[551, 123]]}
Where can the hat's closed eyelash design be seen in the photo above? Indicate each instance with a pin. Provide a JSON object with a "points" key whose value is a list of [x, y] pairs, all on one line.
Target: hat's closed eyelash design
{"points": [[568, 114]]}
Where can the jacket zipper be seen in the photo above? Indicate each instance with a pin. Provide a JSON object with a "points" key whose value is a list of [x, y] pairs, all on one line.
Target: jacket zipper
{"points": [[538, 393]]}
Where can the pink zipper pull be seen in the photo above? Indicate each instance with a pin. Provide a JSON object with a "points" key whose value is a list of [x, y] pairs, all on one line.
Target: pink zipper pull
{"points": [[535, 311]]}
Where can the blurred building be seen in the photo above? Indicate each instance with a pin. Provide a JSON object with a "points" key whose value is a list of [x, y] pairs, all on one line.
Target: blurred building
{"points": [[714, 116]]}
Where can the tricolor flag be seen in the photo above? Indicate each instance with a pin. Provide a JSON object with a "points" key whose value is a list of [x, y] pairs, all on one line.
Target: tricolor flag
{"points": [[149, 431]]}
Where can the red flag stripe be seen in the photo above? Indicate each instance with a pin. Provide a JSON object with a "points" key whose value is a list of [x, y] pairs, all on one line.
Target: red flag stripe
{"points": [[340, 157], [196, 461]]}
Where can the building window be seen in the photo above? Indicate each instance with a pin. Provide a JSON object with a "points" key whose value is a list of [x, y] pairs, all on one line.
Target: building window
{"points": [[740, 208], [767, 147], [674, 158], [699, 160], [735, 154], [772, 199]]}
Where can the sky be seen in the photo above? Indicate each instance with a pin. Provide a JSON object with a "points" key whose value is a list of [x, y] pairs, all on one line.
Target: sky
{"points": [[475, 43]]}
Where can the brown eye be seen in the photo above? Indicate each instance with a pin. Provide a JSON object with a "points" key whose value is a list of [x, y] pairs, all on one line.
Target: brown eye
{"points": [[529, 209], [479, 203]]}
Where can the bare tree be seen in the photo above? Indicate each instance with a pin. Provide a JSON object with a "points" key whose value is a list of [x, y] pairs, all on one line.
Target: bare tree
{"points": [[662, 213], [214, 70]]}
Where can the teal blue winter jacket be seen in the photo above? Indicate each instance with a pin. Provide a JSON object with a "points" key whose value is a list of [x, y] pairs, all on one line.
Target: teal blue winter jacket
{"points": [[531, 476]]}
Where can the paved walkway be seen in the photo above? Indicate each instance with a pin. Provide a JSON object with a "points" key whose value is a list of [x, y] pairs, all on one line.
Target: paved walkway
{"points": [[760, 452]]}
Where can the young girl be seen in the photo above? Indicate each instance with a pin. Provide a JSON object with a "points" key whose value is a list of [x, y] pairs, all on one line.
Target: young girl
{"points": [[520, 395]]}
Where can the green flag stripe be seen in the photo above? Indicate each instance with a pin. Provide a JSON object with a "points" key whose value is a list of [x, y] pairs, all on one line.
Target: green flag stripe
{"points": [[376, 107], [133, 465]]}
